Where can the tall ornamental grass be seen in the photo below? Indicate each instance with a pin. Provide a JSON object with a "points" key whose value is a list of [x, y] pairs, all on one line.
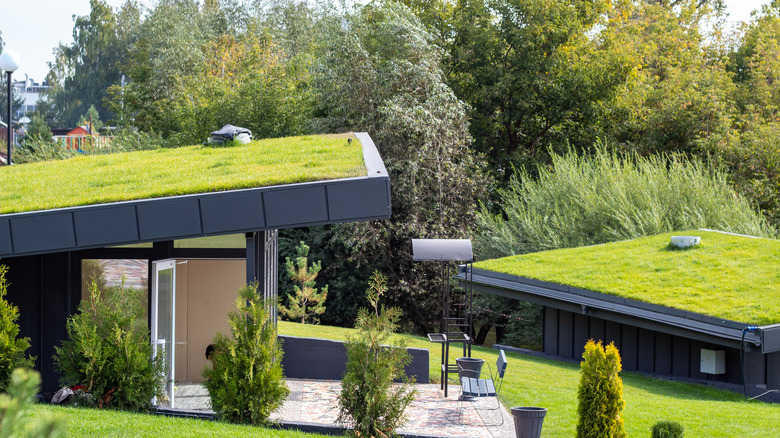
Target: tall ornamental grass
{"points": [[605, 197]]}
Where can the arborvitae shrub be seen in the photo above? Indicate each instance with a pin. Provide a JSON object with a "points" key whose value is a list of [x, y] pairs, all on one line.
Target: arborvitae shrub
{"points": [[600, 393], [668, 429], [16, 416], [108, 353], [369, 401], [12, 348], [246, 383]]}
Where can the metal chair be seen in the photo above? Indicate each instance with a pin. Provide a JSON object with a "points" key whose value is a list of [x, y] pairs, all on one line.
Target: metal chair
{"points": [[474, 388]]}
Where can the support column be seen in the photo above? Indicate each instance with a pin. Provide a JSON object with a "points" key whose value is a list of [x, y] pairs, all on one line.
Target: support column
{"points": [[262, 265]]}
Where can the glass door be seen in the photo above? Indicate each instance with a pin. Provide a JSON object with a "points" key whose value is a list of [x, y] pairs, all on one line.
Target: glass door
{"points": [[164, 320]]}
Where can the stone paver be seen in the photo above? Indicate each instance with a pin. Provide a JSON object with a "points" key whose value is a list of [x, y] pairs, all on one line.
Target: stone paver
{"points": [[316, 401]]}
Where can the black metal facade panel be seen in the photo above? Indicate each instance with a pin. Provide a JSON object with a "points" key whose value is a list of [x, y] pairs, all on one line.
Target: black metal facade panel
{"points": [[245, 207], [630, 351], [663, 354], [106, 226], [551, 331], [645, 351], [5, 236], [565, 333], [358, 198], [47, 232], [291, 207], [167, 219], [681, 356], [773, 370]]}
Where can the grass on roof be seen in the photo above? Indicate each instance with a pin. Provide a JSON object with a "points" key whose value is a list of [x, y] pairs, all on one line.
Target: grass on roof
{"points": [[729, 277], [97, 179]]}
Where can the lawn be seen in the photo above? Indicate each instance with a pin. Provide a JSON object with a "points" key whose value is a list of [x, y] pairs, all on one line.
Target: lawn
{"points": [[730, 277], [96, 179], [531, 381], [103, 423]]}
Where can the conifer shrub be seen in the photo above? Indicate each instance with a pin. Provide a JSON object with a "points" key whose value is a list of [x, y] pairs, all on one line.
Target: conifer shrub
{"points": [[15, 417], [369, 401], [246, 381], [307, 302], [600, 393], [12, 347], [668, 429], [108, 353]]}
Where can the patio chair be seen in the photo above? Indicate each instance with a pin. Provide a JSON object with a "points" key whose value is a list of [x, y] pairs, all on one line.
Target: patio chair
{"points": [[475, 388]]}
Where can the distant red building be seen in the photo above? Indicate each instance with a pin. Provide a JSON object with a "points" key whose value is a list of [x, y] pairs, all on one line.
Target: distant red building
{"points": [[79, 138]]}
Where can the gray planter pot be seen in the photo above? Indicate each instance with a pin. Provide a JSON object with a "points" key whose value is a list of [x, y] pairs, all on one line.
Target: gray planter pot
{"points": [[528, 421], [469, 367]]}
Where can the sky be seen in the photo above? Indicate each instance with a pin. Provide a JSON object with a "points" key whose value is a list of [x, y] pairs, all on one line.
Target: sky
{"points": [[32, 28]]}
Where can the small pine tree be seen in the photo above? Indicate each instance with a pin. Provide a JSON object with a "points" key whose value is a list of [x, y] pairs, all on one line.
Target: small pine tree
{"points": [[307, 301], [246, 383], [600, 393], [12, 347], [668, 429], [368, 399]]}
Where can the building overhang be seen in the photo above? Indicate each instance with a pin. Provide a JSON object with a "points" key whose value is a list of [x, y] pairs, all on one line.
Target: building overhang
{"points": [[625, 311], [206, 214]]}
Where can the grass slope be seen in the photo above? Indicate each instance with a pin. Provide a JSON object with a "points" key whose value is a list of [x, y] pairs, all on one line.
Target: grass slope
{"points": [[530, 381], [96, 179], [104, 423], [727, 276]]}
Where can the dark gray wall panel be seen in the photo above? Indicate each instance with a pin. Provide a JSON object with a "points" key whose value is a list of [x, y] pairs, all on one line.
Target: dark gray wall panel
{"points": [[596, 329], [755, 367], [232, 212], [5, 236], [681, 356], [629, 353], [663, 353], [106, 226], [580, 334], [169, 219], [645, 351], [695, 354], [551, 331], [358, 199], [284, 208], [565, 332], [312, 358], [773, 370], [612, 334], [47, 232]]}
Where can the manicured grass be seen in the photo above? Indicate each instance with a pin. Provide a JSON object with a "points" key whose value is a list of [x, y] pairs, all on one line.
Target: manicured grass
{"points": [[102, 423], [530, 381], [96, 179], [730, 277]]}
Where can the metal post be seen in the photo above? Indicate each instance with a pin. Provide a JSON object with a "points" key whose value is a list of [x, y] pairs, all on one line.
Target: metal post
{"points": [[10, 134]]}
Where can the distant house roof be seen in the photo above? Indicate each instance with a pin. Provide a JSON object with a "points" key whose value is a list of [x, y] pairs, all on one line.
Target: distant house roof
{"points": [[715, 290], [282, 196]]}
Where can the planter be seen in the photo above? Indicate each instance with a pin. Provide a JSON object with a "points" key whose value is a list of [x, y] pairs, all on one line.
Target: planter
{"points": [[528, 421], [469, 367]]}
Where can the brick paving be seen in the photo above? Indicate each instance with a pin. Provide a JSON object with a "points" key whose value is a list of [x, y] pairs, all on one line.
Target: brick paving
{"points": [[315, 401]]}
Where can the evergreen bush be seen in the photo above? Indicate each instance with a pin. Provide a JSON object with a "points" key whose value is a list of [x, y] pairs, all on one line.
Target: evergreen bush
{"points": [[668, 429], [246, 383], [15, 417], [307, 302], [12, 347], [600, 393], [369, 401], [107, 352]]}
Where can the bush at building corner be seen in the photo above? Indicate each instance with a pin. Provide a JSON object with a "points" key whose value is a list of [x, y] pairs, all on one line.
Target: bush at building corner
{"points": [[600, 393], [668, 429], [246, 383], [108, 352], [369, 401], [12, 347]]}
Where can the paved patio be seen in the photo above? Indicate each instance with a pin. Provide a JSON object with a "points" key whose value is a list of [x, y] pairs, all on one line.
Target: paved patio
{"points": [[315, 401]]}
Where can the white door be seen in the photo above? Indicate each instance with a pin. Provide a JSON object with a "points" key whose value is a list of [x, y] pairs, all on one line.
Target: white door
{"points": [[164, 318]]}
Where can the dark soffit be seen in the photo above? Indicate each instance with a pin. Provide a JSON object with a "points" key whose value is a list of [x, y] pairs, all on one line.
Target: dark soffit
{"points": [[206, 214]]}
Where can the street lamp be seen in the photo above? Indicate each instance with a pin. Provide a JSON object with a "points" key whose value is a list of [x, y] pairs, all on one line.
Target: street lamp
{"points": [[9, 62]]}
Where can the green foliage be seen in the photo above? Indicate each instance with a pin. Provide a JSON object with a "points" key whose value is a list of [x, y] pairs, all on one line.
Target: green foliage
{"points": [[600, 394], [91, 119], [246, 382], [369, 401], [12, 348], [108, 353], [15, 409], [308, 302], [608, 197], [668, 429]]}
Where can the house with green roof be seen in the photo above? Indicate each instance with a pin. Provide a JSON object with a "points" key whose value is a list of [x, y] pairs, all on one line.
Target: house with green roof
{"points": [[204, 219], [708, 311]]}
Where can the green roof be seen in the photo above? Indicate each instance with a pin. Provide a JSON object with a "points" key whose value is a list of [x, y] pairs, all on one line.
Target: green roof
{"points": [[730, 277], [97, 179]]}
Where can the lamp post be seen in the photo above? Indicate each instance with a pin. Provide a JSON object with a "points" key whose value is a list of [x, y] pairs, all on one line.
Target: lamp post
{"points": [[9, 62]]}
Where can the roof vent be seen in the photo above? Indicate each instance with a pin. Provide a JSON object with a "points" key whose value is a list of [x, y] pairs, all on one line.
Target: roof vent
{"points": [[685, 241]]}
